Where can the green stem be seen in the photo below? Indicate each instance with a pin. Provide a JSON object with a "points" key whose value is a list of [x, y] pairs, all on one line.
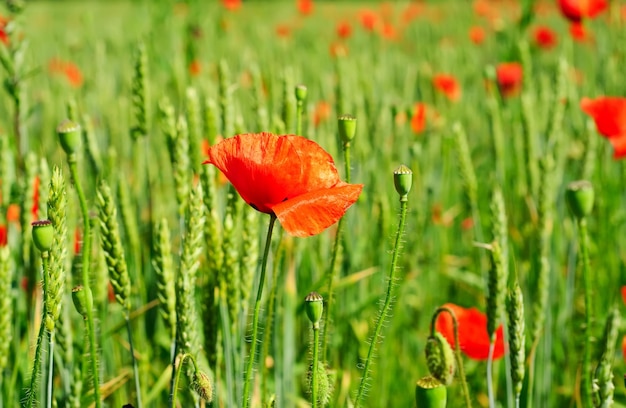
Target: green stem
{"points": [[315, 385], [457, 351], [586, 270], [177, 377], [50, 370], [492, 347], [299, 110], [346, 160], [135, 368], [32, 391], [255, 318], [386, 306], [89, 323]]}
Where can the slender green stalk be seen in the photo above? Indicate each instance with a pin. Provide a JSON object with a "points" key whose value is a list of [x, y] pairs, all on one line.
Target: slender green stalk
{"points": [[255, 318], [585, 383], [457, 351], [492, 347], [135, 368], [181, 360], [89, 323], [50, 370], [386, 306], [314, 377]]}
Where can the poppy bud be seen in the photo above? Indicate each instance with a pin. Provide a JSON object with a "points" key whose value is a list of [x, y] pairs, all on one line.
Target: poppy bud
{"points": [[201, 384], [579, 196], [82, 299], [347, 127], [43, 234], [314, 306], [440, 358], [301, 92], [69, 136], [403, 180], [430, 393]]}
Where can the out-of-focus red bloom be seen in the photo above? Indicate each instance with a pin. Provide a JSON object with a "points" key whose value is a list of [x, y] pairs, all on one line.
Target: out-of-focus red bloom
{"points": [[447, 85], [3, 236], [344, 29], [321, 113], [418, 120], [577, 10], [623, 291], [35, 208], [578, 32], [388, 31], [623, 12], [544, 37], [467, 223], [609, 114], [283, 30], [305, 7], [482, 8], [338, 49], [68, 69], [13, 213], [369, 19], [509, 77], [624, 348], [411, 12], [477, 35], [78, 241], [231, 5], [195, 68], [4, 37], [288, 176], [473, 336]]}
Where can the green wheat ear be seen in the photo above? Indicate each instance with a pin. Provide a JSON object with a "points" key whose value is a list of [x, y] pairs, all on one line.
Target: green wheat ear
{"points": [[194, 121], [140, 93], [6, 306], [603, 377], [517, 336], [164, 268], [225, 99]]}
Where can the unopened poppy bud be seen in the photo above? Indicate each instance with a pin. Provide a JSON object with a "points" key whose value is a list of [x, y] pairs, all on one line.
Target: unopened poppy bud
{"points": [[69, 136], [403, 180], [347, 127], [430, 393], [82, 299], [314, 306], [579, 196], [440, 358], [301, 92], [201, 384], [43, 234]]}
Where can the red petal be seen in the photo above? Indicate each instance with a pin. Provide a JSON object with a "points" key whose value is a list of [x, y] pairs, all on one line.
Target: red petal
{"points": [[267, 169], [609, 114], [311, 213], [619, 146], [623, 290]]}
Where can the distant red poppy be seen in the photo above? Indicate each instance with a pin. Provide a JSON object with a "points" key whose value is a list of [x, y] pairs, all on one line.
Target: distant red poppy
{"points": [[35, 208], [467, 223], [321, 113], [544, 37], [623, 291], [477, 35], [338, 49], [447, 85], [412, 11], [13, 213], [482, 8], [577, 10], [195, 68], [305, 7], [78, 241], [624, 347], [418, 120], [344, 29], [509, 77], [609, 114], [369, 19], [231, 5], [3, 236], [286, 175], [68, 69], [283, 30], [578, 32], [388, 31], [473, 336], [4, 37]]}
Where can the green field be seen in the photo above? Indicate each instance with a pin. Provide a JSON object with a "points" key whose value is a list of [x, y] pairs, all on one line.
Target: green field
{"points": [[173, 255]]}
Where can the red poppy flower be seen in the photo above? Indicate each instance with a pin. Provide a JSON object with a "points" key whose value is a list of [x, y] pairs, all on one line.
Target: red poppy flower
{"points": [[509, 76], [609, 114], [288, 176], [418, 120], [35, 208], [447, 85], [321, 113], [544, 37], [305, 7], [283, 30], [78, 241], [73, 75], [338, 49], [369, 19], [578, 32], [3, 236], [231, 5], [13, 213], [344, 29], [477, 35], [577, 10], [388, 31], [473, 336], [4, 37], [623, 290], [195, 68], [412, 11], [624, 348]]}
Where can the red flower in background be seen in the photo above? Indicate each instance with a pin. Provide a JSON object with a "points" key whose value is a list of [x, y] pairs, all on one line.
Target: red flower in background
{"points": [[70, 70], [369, 19], [78, 241], [578, 32], [447, 85], [609, 114], [4, 37], [338, 49], [288, 176], [544, 37], [283, 30], [305, 7], [344, 29], [321, 113], [577, 10], [509, 77], [412, 11], [418, 120], [473, 336], [388, 31], [195, 68], [477, 35], [231, 5], [3, 236]]}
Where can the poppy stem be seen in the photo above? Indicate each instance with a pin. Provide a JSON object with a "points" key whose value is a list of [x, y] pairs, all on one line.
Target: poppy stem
{"points": [[255, 318], [382, 317], [585, 384], [457, 351], [492, 347]]}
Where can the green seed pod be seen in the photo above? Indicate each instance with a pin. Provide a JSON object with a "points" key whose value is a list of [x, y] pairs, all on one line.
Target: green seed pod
{"points": [[314, 306], [43, 235], [579, 196], [403, 180], [83, 299], [201, 384], [430, 393], [347, 128], [301, 93], [69, 136], [440, 358]]}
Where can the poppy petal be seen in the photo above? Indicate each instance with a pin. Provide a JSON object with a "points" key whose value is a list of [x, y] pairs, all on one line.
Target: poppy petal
{"points": [[619, 146], [311, 213], [609, 114]]}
